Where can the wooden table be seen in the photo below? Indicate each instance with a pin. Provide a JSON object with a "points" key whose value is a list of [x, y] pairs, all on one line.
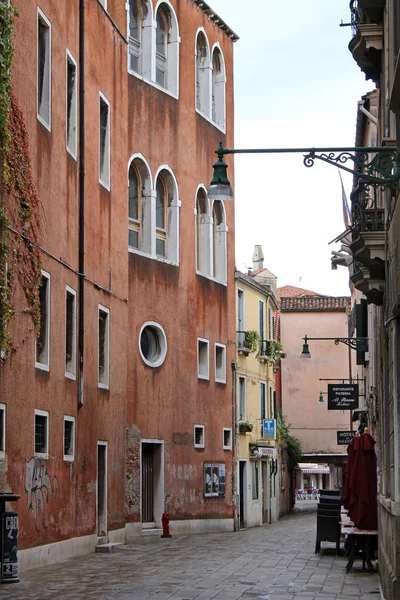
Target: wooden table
{"points": [[360, 541]]}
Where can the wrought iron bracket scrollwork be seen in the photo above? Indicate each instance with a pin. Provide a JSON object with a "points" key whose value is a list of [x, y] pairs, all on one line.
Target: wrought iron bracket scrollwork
{"points": [[383, 168], [356, 343]]}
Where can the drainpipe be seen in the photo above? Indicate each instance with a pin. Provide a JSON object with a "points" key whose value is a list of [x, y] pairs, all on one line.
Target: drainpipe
{"points": [[81, 193], [234, 449]]}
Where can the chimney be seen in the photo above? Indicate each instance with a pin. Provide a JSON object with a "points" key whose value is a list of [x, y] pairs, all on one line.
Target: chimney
{"points": [[258, 258]]}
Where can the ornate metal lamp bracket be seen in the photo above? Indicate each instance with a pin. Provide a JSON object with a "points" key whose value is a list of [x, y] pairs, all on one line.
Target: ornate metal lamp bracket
{"points": [[375, 164], [383, 168], [354, 343]]}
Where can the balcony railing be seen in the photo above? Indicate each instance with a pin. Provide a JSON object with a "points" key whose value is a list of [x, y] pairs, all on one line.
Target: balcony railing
{"points": [[367, 216], [244, 346], [264, 349], [365, 12]]}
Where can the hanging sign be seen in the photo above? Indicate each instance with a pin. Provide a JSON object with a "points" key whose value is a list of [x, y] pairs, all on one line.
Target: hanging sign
{"points": [[269, 429], [342, 396], [344, 437]]}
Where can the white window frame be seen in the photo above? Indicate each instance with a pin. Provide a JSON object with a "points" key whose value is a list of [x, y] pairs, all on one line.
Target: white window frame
{"points": [[263, 384], [105, 382], [70, 372], [200, 374], [158, 360], [171, 70], [221, 376], [3, 432], [41, 413], [227, 446], [46, 122], [103, 3], [69, 457], [105, 172], [202, 443], [242, 417], [218, 90], [45, 366], [72, 138]]}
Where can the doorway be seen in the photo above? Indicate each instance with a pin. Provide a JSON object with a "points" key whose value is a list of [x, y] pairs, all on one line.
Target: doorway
{"points": [[242, 494], [101, 489], [152, 483]]}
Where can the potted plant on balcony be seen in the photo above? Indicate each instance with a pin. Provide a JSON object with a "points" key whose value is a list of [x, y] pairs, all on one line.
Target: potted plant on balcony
{"points": [[275, 351], [245, 426], [251, 340]]}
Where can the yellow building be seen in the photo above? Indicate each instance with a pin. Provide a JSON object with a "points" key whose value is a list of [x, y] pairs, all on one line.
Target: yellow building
{"points": [[257, 355]]}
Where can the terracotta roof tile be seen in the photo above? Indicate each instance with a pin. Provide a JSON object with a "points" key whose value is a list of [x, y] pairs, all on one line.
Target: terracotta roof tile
{"points": [[290, 291], [315, 304]]}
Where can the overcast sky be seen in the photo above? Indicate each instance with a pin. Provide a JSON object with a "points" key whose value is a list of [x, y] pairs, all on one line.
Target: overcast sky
{"points": [[296, 85]]}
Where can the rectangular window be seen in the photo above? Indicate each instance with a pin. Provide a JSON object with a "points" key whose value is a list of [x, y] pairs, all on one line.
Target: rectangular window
{"points": [[203, 361], [240, 310], [271, 404], [261, 318], [72, 86], [70, 333], [227, 438], [104, 142], [199, 436], [41, 433], [44, 69], [270, 324], [254, 480], [42, 359], [69, 438], [242, 398], [263, 387], [214, 480], [220, 363], [2, 431], [104, 345]]}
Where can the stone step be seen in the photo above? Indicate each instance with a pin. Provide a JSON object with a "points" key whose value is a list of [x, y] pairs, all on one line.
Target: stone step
{"points": [[109, 547], [153, 531]]}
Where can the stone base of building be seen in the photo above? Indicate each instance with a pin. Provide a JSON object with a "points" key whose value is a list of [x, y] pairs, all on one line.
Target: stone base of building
{"points": [[390, 584], [41, 556], [48, 554]]}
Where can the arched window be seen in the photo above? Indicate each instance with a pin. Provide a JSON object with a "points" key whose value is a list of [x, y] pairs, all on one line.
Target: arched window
{"points": [[219, 241], [139, 205], [161, 206], [167, 48], [166, 216], [134, 207], [203, 74], [135, 35], [218, 88], [139, 35], [203, 233]]}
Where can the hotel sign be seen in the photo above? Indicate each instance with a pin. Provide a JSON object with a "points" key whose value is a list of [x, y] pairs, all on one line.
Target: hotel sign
{"points": [[342, 396], [344, 437]]}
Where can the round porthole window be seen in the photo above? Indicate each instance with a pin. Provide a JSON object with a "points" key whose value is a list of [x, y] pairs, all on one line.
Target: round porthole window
{"points": [[152, 344]]}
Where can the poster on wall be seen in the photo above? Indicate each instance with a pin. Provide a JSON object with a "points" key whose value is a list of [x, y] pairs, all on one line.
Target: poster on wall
{"points": [[9, 547]]}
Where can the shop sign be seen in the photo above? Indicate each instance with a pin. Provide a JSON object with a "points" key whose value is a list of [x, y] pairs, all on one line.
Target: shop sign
{"points": [[344, 437], [269, 429], [342, 396]]}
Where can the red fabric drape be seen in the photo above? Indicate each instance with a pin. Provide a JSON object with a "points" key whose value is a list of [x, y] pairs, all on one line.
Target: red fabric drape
{"points": [[360, 494]]}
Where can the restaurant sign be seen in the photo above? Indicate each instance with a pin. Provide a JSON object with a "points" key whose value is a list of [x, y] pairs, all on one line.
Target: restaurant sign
{"points": [[342, 396]]}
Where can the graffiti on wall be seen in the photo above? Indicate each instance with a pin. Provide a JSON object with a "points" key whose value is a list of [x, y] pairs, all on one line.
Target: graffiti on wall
{"points": [[39, 488]]}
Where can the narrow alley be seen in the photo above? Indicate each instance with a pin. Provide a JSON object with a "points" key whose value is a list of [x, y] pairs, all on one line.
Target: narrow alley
{"points": [[274, 562]]}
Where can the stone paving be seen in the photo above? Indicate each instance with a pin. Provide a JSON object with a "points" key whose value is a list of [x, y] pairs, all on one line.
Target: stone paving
{"points": [[273, 562]]}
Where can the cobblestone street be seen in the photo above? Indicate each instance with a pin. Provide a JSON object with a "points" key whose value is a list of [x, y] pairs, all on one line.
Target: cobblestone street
{"points": [[275, 562]]}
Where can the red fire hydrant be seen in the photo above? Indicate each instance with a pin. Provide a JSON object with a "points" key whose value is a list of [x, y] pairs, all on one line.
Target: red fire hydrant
{"points": [[165, 525]]}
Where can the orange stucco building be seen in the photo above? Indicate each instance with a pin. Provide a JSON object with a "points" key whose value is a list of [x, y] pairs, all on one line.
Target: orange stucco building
{"points": [[122, 409]]}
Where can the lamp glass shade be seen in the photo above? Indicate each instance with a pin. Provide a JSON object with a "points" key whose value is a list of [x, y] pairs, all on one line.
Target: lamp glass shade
{"points": [[220, 191]]}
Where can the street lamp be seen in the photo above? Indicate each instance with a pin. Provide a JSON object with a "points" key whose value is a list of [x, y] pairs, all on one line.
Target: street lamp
{"points": [[383, 168], [321, 400], [355, 343]]}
